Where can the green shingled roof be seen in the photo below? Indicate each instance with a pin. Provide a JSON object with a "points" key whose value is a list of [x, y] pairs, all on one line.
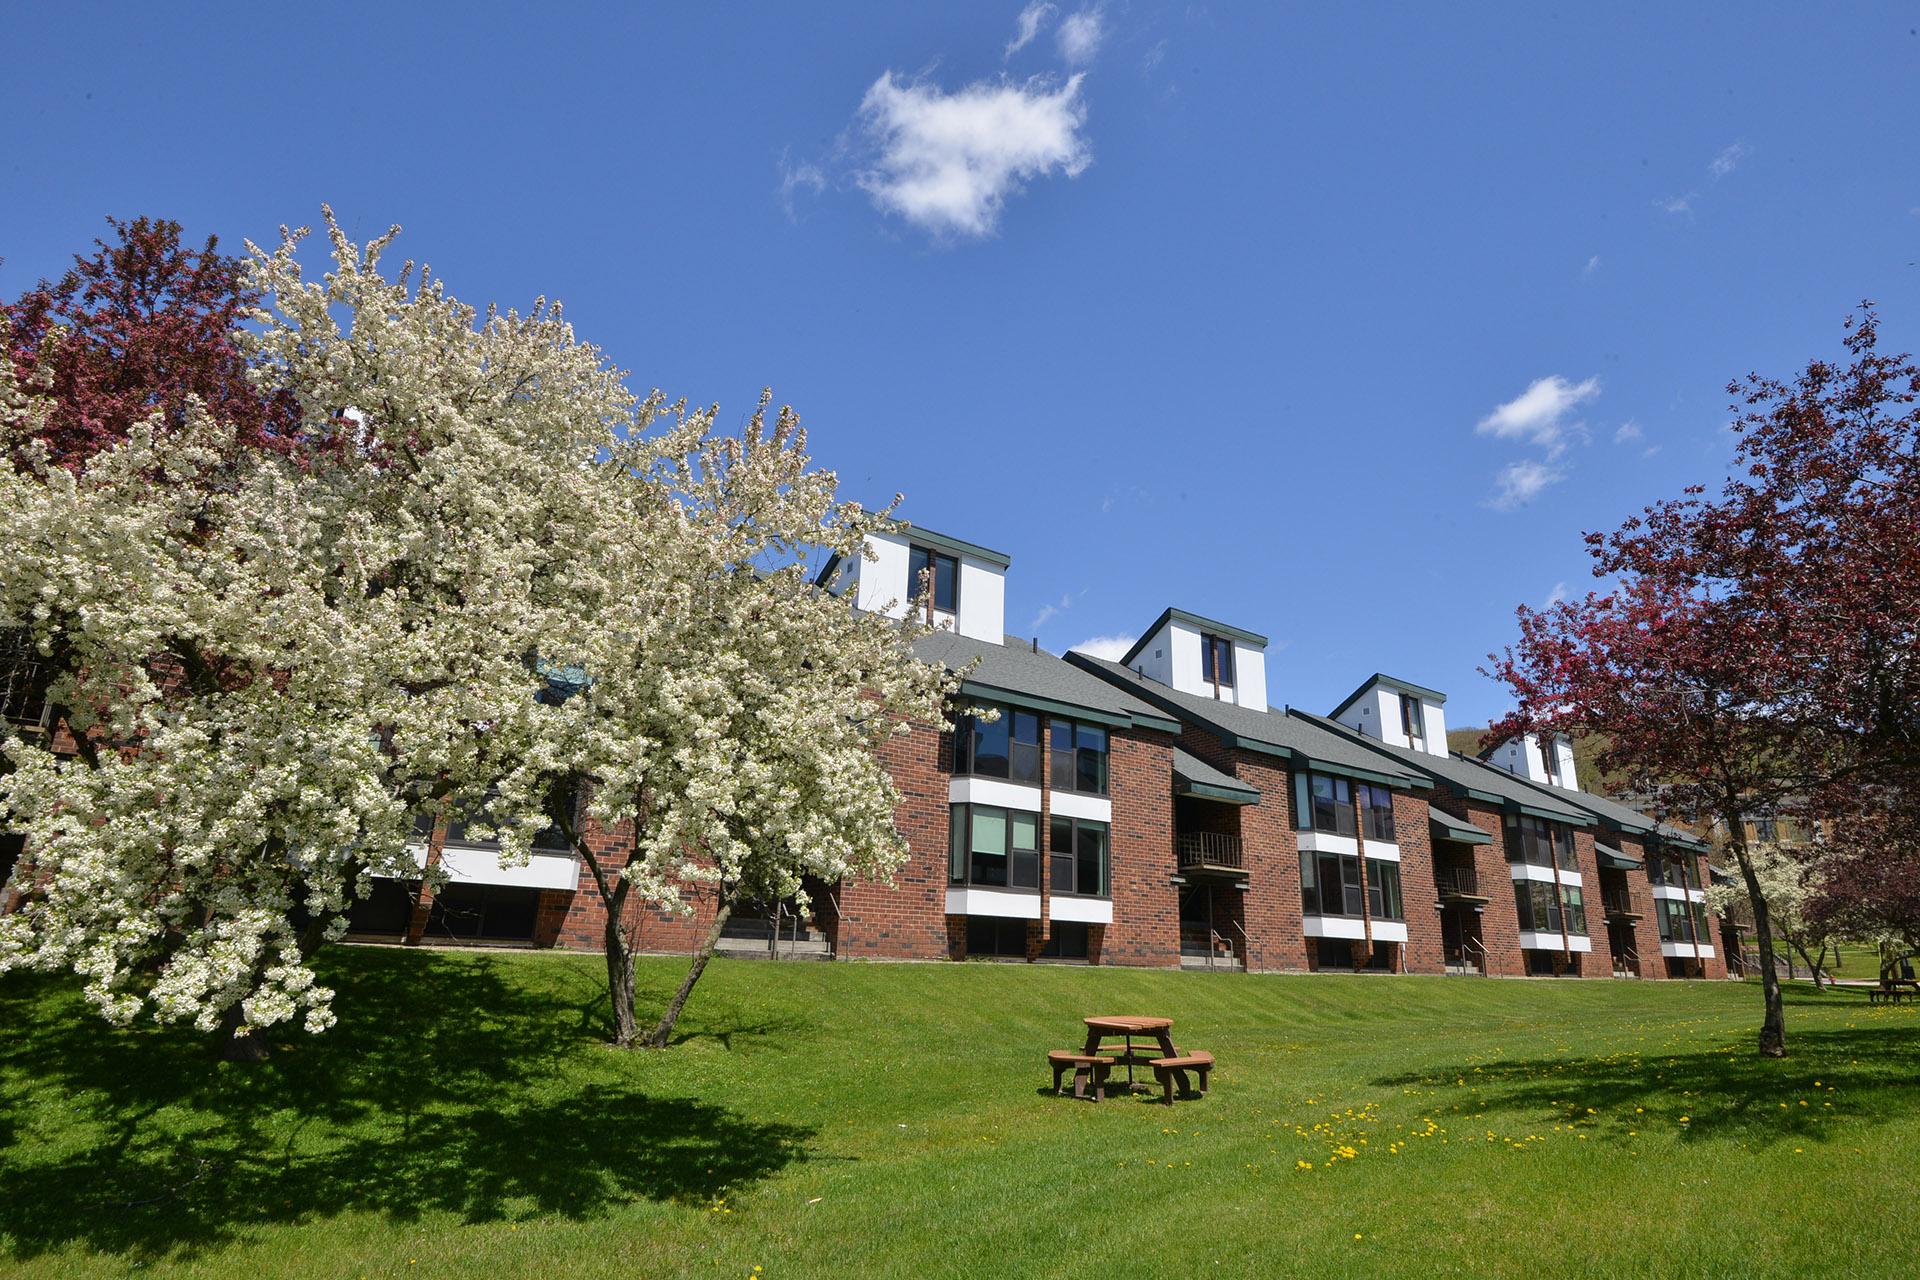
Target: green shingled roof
{"points": [[1610, 812], [1193, 776], [1458, 830], [1460, 774], [1019, 675], [1272, 732]]}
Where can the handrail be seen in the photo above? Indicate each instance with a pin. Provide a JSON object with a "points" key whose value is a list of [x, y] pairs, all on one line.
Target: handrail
{"points": [[1473, 947], [1208, 848], [1246, 946]]}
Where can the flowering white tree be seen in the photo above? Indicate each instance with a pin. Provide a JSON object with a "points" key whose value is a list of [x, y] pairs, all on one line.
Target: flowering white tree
{"points": [[1789, 885], [269, 660], [730, 712], [272, 660]]}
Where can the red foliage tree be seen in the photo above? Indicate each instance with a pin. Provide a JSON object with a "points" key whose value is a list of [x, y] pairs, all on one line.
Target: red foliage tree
{"points": [[140, 326], [1757, 650]]}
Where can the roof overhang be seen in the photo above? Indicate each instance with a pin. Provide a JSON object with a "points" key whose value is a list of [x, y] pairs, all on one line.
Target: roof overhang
{"points": [[1612, 859], [1458, 830], [1054, 707]]}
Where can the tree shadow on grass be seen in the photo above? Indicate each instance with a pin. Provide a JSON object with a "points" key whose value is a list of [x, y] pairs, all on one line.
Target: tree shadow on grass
{"points": [[449, 1087], [1725, 1093]]}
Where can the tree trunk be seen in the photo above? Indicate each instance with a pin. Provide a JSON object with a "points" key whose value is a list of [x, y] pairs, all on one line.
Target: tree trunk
{"points": [[251, 1047], [1773, 1027], [626, 1026], [661, 1033]]}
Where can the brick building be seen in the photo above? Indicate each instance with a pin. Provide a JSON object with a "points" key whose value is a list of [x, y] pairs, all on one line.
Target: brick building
{"points": [[1154, 811]]}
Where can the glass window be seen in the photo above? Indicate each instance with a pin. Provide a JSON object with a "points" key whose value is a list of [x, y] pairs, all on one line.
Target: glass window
{"points": [[1412, 722], [1677, 923], [1079, 758], [944, 571], [1574, 907], [1332, 805], [1008, 746], [1541, 912], [1540, 843], [1330, 884], [994, 848], [1216, 661], [1383, 890], [1550, 759], [1077, 857], [1376, 806]]}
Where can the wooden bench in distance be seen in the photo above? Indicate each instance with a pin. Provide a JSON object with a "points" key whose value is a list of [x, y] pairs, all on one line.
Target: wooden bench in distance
{"points": [[1086, 1067], [1168, 1070]]}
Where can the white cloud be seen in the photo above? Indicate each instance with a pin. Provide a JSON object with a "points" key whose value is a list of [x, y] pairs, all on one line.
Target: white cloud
{"points": [[1112, 648], [1555, 596], [1593, 266], [1539, 414], [1521, 482], [1650, 450], [1054, 610], [947, 162], [1626, 431], [1728, 160], [1080, 35], [1027, 25], [1677, 205], [799, 177]]}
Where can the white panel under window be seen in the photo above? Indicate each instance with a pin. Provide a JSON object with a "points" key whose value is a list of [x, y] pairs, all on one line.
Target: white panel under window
{"points": [[1071, 804], [1008, 903], [993, 791], [482, 866], [1083, 910], [1327, 842], [1333, 927], [1527, 871], [1685, 950], [1383, 851], [1551, 941], [1389, 931], [1675, 893]]}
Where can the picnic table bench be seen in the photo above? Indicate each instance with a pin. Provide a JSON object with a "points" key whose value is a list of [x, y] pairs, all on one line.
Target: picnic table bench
{"points": [[1093, 1064]]}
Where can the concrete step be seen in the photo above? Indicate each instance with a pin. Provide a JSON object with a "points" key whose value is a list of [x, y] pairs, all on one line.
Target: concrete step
{"points": [[1224, 964], [756, 949]]}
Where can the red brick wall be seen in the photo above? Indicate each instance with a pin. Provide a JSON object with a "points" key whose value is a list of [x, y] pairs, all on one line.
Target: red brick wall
{"points": [[1146, 907], [907, 920], [1499, 919], [1423, 953], [1271, 902]]}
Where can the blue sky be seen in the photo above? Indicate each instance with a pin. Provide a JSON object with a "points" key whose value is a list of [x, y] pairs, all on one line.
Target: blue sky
{"points": [[1340, 324]]}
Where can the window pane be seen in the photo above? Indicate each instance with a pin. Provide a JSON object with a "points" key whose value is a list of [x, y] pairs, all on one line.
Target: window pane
{"points": [[957, 846], [1092, 851], [1309, 895], [1206, 659], [1350, 870], [918, 561], [1090, 774], [1060, 862], [990, 846], [1225, 661], [946, 583], [990, 747]]}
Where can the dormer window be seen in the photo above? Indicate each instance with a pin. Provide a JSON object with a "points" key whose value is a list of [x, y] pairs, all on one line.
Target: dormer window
{"points": [[1412, 723], [934, 576], [1216, 662]]}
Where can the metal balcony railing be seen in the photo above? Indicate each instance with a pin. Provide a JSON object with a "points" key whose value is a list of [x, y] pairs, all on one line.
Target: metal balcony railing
{"points": [[1194, 849], [1456, 882]]}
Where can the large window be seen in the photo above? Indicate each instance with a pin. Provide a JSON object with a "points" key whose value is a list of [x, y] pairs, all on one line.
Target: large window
{"points": [[941, 573], [1665, 869], [994, 848], [1216, 661], [1413, 722], [1322, 803], [1678, 923], [1540, 843], [563, 798], [1008, 746], [1330, 884], [1079, 757], [1383, 890], [1077, 857], [1376, 809], [1541, 911], [1550, 760]]}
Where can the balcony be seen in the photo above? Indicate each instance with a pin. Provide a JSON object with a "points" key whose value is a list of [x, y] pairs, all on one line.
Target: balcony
{"points": [[23, 686], [1458, 884], [1619, 904], [1209, 851]]}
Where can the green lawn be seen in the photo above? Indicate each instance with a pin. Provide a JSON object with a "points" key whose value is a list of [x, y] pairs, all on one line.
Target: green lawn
{"points": [[465, 1118]]}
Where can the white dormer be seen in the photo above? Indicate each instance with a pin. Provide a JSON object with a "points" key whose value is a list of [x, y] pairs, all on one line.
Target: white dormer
{"points": [[1549, 763], [1398, 714], [966, 592], [1200, 656]]}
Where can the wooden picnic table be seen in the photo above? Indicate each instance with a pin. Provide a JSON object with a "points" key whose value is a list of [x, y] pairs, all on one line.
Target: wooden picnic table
{"points": [[1160, 1030]]}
